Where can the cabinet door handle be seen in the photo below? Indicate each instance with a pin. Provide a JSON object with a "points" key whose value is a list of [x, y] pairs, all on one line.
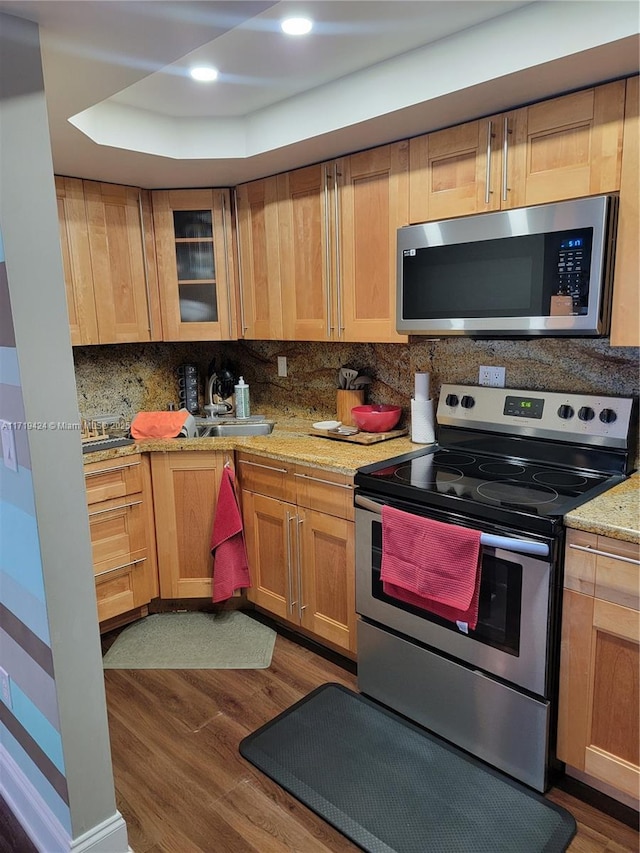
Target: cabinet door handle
{"points": [[109, 470], [589, 550], [291, 602], [301, 606], [145, 265], [327, 249], [505, 156], [114, 508], [266, 467], [243, 325], [336, 226], [225, 246], [487, 191], [118, 568], [325, 482]]}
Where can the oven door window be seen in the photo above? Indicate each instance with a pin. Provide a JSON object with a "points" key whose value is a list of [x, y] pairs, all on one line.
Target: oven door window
{"points": [[500, 598]]}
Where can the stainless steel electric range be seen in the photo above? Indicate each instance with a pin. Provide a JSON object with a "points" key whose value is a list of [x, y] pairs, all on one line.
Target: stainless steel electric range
{"points": [[509, 463]]}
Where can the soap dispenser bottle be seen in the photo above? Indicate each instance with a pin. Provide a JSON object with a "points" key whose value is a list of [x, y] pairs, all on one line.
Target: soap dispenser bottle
{"points": [[242, 399]]}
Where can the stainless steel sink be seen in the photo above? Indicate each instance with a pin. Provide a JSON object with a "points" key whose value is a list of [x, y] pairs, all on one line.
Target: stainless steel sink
{"points": [[219, 428]]}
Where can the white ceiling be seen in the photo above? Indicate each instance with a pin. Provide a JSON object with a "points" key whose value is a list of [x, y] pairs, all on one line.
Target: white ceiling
{"points": [[122, 107]]}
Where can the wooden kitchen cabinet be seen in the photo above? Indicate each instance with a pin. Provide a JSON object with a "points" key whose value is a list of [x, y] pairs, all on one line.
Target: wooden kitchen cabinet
{"points": [[185, 494], [599, 720], [122, 537], [108, 258], [300, 540], [563, 148], [338, 224], [625, 317], [195, 264], [260, 292]]}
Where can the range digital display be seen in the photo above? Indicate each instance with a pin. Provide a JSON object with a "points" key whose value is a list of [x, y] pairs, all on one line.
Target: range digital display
{"points": [[524, 407]]}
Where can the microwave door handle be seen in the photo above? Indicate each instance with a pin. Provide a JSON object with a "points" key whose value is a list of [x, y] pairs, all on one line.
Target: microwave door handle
{"points": [[540, 549]]}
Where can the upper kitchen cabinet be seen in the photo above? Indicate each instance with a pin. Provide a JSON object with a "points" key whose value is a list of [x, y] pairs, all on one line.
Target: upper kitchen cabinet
{"points": [[338, 224], [109, 262], [195, 264], [625, 322], [76, 261], [563, 148], [260, 303]]}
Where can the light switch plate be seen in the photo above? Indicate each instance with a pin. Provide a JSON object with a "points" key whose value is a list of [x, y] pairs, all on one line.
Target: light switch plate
{"points": [[8, 445], [282, 365]]}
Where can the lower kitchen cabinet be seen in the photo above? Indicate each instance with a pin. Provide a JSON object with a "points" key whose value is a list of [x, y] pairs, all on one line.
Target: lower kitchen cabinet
{"points": [[299, 531], [599, 720], [185, 493], [122, 538]]}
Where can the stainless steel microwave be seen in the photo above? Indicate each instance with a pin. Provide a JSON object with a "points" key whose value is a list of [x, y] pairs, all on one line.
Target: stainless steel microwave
{"points": [[544, 270]]}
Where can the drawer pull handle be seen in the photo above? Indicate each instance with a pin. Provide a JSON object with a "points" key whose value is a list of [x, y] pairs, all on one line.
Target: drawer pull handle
{"points": [[109, 470], [266, 467], [325, 482], [590, 550], [118, 568], [114, 508]]}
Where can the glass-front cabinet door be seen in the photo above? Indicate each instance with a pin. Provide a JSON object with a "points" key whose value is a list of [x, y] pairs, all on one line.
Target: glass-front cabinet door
{"points": [[193, 246]]}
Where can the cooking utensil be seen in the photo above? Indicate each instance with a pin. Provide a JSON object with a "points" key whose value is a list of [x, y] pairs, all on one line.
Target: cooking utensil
{"points": [[349, 376], [361, 381]]}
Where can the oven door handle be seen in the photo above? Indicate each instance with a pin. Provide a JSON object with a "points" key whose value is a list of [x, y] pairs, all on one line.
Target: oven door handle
{"points": [[525, 546]]}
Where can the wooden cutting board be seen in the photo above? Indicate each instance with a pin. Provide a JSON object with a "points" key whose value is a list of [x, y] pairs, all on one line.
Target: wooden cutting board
{"points": [[360, 437]]}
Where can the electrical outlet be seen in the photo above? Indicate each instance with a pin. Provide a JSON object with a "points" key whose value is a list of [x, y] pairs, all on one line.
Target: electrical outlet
{"points": [[5, 687], [282, 365], [493, 376]]}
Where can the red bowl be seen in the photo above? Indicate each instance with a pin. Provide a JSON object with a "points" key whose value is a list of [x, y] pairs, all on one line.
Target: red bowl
{"points": [[376, 418]]}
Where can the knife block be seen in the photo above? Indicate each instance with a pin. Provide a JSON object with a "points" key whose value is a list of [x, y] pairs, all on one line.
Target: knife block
{"points": [[345, 401]]}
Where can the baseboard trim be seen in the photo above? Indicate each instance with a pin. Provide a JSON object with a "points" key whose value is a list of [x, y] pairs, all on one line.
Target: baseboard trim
{"points": [[110, 836], [43, 828], [28, 807]]}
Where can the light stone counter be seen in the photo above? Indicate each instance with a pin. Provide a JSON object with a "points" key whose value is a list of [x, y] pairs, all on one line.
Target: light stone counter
{"points": [[615, 513], [290, 442]]}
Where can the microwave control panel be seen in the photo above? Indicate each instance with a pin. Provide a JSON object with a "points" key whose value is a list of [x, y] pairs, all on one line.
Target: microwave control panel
{"points": [[572, 282]]}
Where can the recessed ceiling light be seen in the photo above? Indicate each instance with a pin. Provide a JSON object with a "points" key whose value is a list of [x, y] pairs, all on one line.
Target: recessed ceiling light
{"points": [[204, 73], [296, 26]]}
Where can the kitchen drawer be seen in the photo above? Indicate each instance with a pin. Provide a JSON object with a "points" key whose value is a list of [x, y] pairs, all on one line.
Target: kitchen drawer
{"points": [[269, 477], [325, 491], [604, 567], [113, 478], [118, 533], [121, 589]]}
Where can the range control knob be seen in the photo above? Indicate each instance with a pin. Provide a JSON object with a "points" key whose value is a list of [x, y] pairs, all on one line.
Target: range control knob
{"points": [[566, 412], [586, 413], [452, 400], [607, 416], [467, 402]]}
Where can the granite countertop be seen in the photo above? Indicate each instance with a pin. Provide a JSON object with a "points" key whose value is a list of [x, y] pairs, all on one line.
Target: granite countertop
{"points": [[289, 442], [615, 513]]}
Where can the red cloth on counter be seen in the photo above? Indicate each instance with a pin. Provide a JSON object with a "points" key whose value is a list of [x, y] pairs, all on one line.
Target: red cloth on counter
{"points": [[230, 566], [158, 424], [431, 564]]}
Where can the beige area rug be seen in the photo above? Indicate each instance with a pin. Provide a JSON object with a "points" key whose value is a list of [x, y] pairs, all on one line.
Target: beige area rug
{"points": [[228, 640]]}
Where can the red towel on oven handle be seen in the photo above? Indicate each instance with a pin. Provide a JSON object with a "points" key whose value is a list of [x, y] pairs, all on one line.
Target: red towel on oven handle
{"points": [[230, 566], [431, 559], [468, 617]]}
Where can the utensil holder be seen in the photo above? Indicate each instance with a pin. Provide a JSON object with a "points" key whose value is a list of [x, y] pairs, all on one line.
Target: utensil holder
{"points": [[345, 401]]}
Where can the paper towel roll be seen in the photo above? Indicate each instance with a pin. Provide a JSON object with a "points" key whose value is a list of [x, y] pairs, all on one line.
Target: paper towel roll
{"points": [[421, 386], [422, 429]]}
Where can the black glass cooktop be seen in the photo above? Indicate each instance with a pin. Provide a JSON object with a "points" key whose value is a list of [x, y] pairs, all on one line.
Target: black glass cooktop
{"points": [[484, 481]]}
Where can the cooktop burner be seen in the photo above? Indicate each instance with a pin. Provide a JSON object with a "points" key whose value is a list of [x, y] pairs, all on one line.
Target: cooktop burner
{"points": [[482, 479]]}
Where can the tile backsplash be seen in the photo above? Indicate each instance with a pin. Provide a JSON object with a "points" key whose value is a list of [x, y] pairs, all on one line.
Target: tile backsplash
{"points": [[126, 378]]}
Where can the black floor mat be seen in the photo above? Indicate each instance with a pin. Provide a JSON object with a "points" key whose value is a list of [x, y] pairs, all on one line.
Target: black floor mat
{"points": [[390, 786]]}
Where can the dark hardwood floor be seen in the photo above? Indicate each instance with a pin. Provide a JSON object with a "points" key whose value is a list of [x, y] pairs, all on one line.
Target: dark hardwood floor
{"points": [[183, 787]]}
